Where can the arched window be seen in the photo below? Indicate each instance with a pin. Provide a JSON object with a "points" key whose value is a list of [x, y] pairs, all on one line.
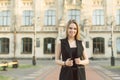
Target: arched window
{"points": [[4, 45], [98, 45], [49, 45], [118, 45], [26, 45]]}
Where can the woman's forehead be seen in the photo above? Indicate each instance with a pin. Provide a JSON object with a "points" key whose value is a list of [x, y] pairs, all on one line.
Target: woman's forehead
{"points": [[72, 25]]}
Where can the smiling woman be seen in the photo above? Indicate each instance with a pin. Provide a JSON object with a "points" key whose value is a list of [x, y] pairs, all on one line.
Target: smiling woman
{"points": [[73, 52]]}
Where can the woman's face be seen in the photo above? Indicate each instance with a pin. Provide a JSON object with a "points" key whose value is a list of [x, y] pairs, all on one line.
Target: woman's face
{"points": [[72, 30]]}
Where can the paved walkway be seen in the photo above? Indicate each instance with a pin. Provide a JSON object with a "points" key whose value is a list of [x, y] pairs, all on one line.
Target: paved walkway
{"points": [[50, 71], [91, 74]]}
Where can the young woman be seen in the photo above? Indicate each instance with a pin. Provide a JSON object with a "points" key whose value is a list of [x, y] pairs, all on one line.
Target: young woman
{"points": [[74, 56]]}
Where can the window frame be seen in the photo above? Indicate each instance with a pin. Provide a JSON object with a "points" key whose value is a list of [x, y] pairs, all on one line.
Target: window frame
{"points": [[5, 18], [4, 43], [74, 14], [50, 18], [118, 17], [49, 43], [98, 18], [27, 45], [98, 45], [27, 18]]}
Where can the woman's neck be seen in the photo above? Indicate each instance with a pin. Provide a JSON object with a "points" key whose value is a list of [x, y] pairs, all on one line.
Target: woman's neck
{"points": [[71, 38]]}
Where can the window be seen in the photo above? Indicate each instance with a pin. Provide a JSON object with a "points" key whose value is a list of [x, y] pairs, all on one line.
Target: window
{"points": [[49, 45], [98, 45], [27, 18], [74, 14], [87, 44], [27, 45], [4, 45], [98, 17], [118, 17], [37, 42], [5, 18], [118, 45], [50, 18]]}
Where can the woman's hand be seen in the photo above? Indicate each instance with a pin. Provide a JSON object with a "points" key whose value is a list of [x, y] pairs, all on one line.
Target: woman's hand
{"points": [[69, 62], [77, 61]]}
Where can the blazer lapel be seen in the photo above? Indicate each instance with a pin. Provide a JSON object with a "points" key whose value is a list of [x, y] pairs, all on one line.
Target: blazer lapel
{"points": [[68, 48], [78, 48]]}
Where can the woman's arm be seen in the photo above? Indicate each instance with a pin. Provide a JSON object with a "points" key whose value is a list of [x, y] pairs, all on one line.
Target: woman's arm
{"points": [[86, 60], [58, 54]]}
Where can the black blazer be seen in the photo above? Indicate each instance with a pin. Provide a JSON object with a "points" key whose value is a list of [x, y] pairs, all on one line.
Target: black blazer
{"points": [[66, 72]]}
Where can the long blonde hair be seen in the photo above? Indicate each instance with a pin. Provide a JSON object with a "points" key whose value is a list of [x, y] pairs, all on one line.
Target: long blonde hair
{"points": [[77, 36]]}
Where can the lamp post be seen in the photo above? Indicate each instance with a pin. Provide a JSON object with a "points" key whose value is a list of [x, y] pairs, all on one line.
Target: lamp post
{"points": [[34, 22], [14, 32], [112, 56], [14, 42], [34, 58], [110, 21]]}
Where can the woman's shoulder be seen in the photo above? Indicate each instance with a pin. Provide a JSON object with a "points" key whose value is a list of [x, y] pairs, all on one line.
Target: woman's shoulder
{"points": [[80, 40], [63, 39], [60, 40]]}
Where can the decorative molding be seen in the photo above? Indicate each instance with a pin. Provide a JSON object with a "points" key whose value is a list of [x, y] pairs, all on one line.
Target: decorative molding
{"points": [[50, 29], [118, 2], [27, 2], [4, 3], [73, 2], [4, 0], [50, 2], [98, 2]]}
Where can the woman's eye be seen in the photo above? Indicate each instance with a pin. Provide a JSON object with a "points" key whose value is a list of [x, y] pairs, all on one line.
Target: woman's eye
{"points": [[75, 28], [72, 28]]}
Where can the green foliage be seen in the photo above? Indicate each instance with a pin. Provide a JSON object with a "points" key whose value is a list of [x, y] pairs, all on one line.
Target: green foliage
{"points": [[112, 67], [24, 66], [5, 78]]}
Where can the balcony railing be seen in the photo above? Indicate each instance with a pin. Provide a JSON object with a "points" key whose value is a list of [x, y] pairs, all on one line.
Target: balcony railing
{"points": [[103, 28], [5, 29], [27, 29], [49, 29]]}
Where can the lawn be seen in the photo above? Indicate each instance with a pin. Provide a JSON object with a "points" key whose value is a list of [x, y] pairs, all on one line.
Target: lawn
{"points": [[21, 66], [5, 78], [112, 67]]}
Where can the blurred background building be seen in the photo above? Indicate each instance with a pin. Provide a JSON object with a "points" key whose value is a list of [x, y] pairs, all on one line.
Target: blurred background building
{"points": [[31, 27]]}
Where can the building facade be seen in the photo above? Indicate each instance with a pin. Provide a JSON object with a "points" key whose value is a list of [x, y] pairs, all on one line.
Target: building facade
{"points": [[31, 27]]}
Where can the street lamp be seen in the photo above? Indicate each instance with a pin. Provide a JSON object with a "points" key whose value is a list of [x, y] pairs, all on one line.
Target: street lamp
{"points": [[111, 23], [34, 22], [112, 56], [14, 32], [34, 58]]}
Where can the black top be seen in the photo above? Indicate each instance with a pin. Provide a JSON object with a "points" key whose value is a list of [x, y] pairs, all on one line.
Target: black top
{"points": [[74, 55], [66, 72]]}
